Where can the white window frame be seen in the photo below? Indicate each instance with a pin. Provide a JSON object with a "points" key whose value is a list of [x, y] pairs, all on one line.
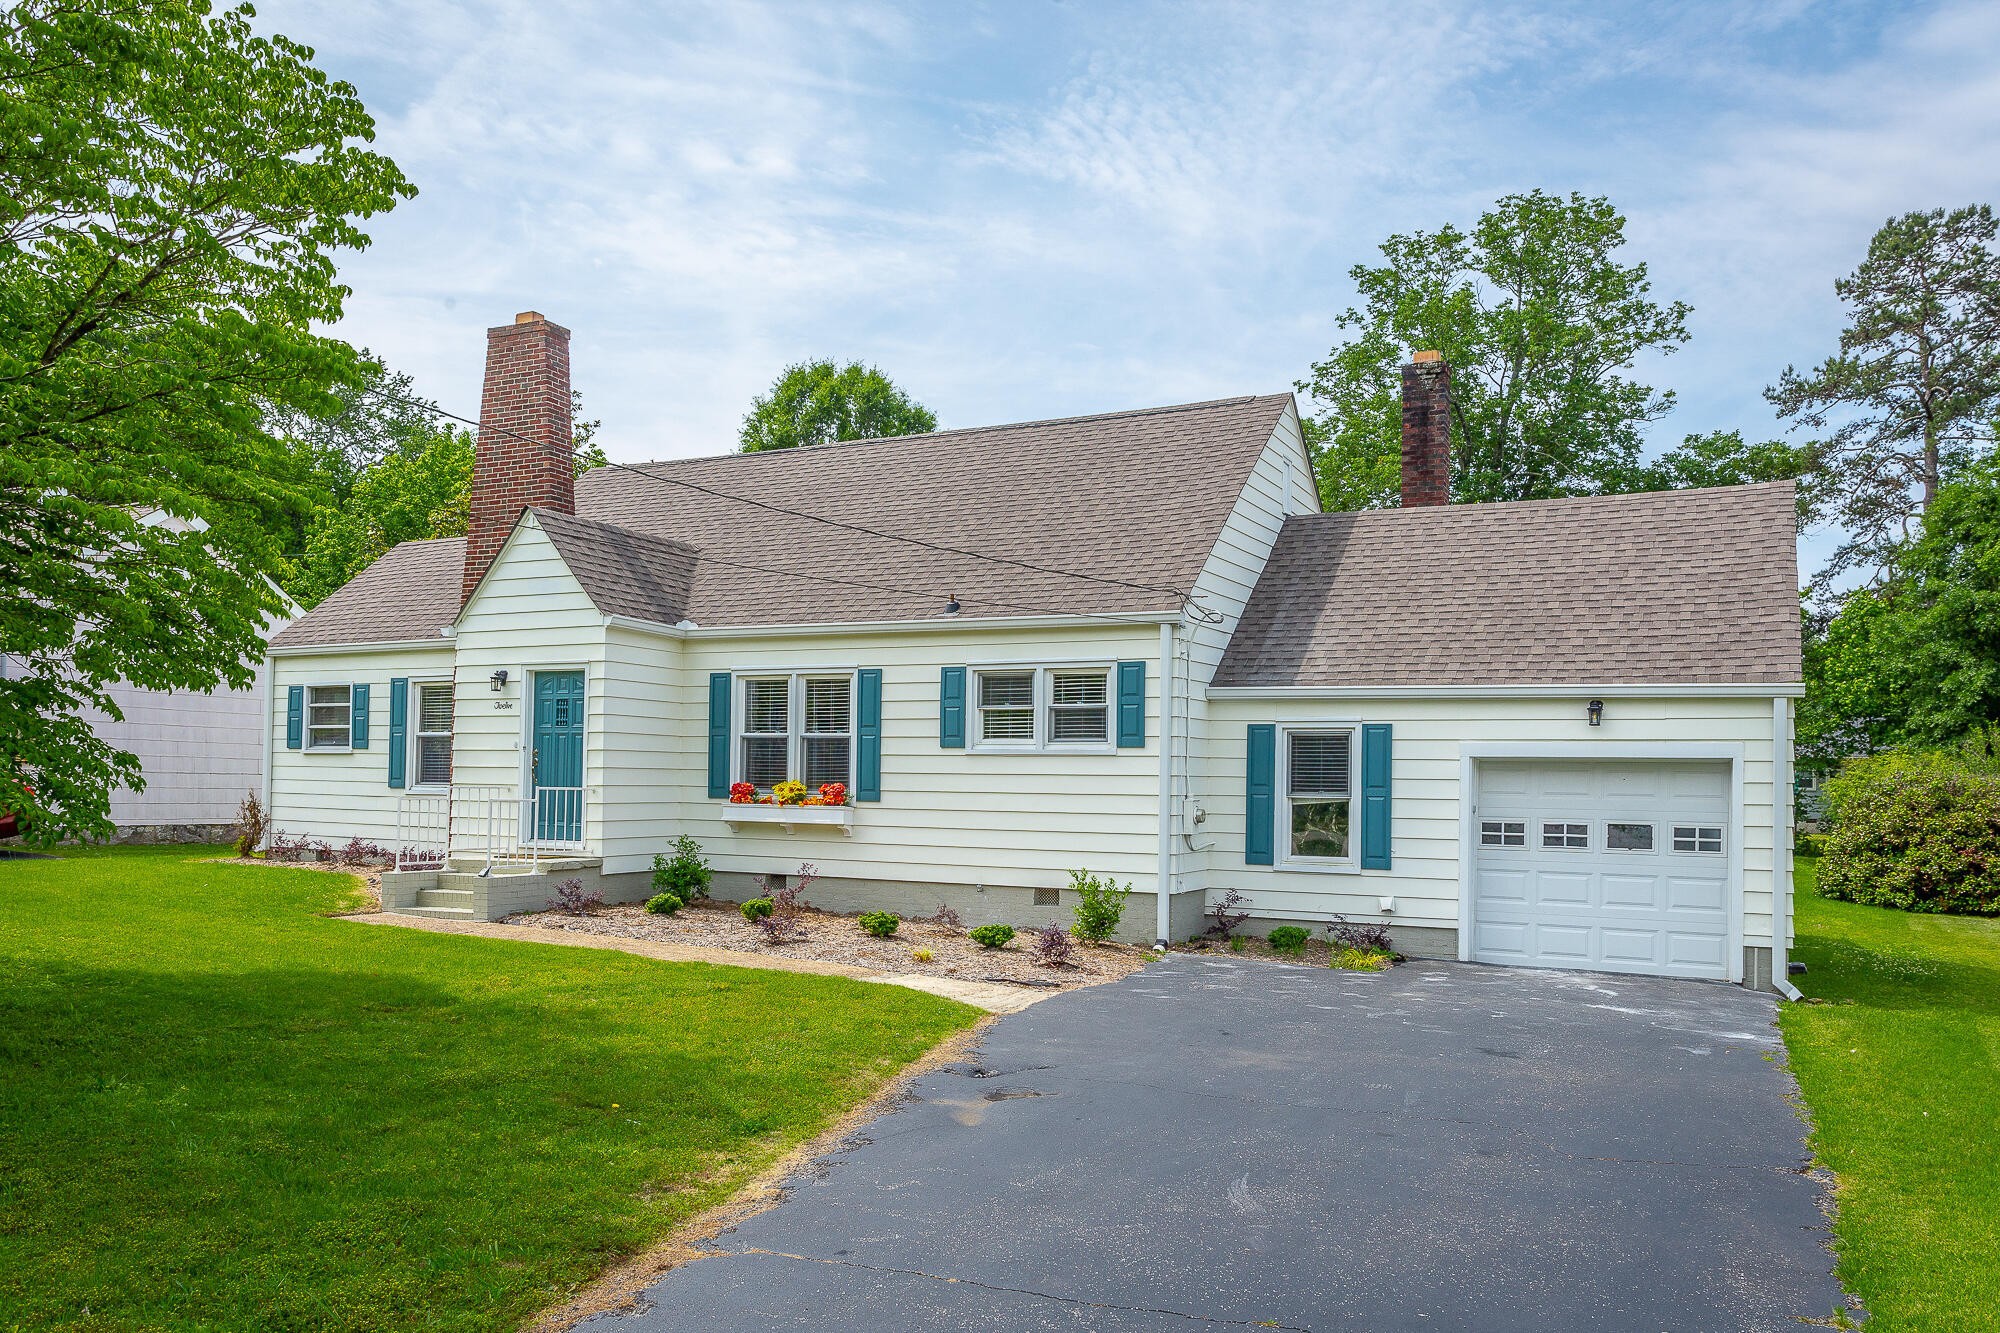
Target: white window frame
{"points": [[1542, 835], [1652, 824], [1502, 829], [1721, 840], [1351, 863], [1042, 695], [795, 721], [413, 737], [306, 745]]}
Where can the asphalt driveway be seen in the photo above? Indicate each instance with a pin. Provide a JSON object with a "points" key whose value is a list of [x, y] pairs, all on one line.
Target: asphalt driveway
{"points": [[1223, 1143]]}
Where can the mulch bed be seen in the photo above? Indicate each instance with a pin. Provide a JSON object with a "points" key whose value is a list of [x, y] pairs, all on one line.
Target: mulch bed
{"points": [[1318, 952], [831, 938]]}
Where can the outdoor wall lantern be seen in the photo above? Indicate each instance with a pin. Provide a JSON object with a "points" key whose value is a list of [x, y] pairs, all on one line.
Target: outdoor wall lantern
{"points": [[498, 681], [1595, 709]]}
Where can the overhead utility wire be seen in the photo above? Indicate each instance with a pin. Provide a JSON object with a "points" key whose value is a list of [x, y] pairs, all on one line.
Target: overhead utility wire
{"points": [[1200, 613], [1188, 606]]}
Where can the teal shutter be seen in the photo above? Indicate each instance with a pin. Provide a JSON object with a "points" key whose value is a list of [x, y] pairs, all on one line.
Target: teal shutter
{"points": [[399, 730], [720, 684], [1375, 751], [868, 733], [357, 718], [295, 717], [951, 708], [1131, 704], [1260, 810]]}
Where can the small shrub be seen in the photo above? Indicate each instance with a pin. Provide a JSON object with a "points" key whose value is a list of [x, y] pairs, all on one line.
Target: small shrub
{"points": [[664, 904], [252, 822], [879, 924], [1100, 905], [1920, 832], [1226, 915], [948, 917], [1360, 936], [360, 852], [784, 924], [685, 874], [922, 955], [1360, 960], [572, 899], [757, 909], [1052, 946], [1237, 943], [990, 937], [1289, 939]]}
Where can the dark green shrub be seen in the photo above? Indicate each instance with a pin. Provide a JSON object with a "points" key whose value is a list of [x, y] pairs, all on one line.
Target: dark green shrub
{"points": [[1920, 832], [757, 909], [664, 904], [685, 874], [1100, 904], [879, 924], [990, 937], [1236, 943], [1289, 939]]}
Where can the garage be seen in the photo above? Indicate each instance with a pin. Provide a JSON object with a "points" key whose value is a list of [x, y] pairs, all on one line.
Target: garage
{"points": [[1616, 866]]}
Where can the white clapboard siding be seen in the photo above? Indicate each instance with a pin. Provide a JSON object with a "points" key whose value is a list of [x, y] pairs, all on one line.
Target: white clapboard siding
{"points": [[1429, 734]]}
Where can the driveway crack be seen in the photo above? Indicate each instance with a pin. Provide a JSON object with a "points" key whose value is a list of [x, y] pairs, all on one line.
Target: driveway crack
{"points": [[1219, 1320]]}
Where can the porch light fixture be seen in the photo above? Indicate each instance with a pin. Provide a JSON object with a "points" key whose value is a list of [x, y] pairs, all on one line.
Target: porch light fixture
{"points": [[1596, 710], [498, 680]]}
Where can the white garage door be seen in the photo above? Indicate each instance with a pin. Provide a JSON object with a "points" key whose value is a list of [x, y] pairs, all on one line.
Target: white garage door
{"points": [[1620, 867]]}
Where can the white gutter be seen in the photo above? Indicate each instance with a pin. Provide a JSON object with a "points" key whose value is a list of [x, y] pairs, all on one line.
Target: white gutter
{"points": [[381, 646], [1163, 890], [1781, 847], [1680, 691], [930, 624]]}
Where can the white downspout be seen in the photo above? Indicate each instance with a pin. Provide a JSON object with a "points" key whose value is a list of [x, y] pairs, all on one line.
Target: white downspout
{"points": [[1164, 875], [1782, 838], [270, 693]]}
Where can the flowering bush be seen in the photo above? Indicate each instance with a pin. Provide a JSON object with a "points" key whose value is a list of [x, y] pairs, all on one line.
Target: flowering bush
{"points": [[833, 793], [741, 793], [788, 793]]}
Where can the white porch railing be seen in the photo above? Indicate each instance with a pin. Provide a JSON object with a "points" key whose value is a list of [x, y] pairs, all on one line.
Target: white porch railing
{"points": [[499, 826]]}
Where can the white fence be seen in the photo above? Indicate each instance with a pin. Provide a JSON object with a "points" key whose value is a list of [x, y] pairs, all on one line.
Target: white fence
{"points": [[498, 826]]}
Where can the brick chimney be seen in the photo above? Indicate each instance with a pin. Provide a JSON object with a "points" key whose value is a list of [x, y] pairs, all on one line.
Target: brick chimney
{"points": [[1426, 431], [524, 455]]}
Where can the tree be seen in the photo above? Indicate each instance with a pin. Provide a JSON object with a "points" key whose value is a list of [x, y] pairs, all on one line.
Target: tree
{"points": [[1722, 458], [1916, 660], [1913, 394], [173, 189], [1538, 321], [815, 402]]}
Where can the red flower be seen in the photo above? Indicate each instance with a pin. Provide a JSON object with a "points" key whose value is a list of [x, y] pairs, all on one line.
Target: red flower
{"points": [[833, 793], [742, 793]]}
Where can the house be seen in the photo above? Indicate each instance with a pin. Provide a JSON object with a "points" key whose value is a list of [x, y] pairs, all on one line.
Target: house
{"points": [[200, 753], [1552, 733]]}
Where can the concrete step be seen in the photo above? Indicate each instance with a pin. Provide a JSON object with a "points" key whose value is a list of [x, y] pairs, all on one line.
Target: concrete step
{"points": [[445, 913], [471, 865], [443, 897]]}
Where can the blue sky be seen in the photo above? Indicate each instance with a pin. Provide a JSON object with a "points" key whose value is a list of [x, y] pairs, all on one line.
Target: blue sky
{"points": [[1040, 208]]}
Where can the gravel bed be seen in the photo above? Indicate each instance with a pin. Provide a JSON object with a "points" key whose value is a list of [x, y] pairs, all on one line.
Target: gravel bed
{"points": [[831, 938]]}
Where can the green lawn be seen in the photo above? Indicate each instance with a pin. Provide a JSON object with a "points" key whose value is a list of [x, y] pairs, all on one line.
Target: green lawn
{"points": [[1901, 1069], [221, 1110]]}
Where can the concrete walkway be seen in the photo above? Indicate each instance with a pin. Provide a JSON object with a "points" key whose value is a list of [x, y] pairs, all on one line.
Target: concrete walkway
{"points": [[990, 996], [1222, 1143]]}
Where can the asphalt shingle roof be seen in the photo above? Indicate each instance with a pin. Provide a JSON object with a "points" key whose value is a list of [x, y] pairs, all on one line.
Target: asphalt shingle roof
{"points": [[1671, 587], [410, 593]]}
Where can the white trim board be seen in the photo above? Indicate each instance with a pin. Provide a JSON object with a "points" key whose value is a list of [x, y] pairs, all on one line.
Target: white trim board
{"points": [[1583, 691]]}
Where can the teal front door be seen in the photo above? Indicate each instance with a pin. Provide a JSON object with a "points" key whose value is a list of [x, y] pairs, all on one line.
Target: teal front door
{"points": [[556, 766]]}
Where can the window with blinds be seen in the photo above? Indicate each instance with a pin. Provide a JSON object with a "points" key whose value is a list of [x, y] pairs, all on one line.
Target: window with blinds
{"points": [[1042, 707], [767, 714], [1319, 767], [798, 727], [1007, 707], [431, 755], [1079, 707], [329, 717], [827, 740]]}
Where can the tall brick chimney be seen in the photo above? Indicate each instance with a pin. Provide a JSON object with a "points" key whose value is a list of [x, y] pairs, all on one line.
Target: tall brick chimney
{"points": [[1426, 431], [524, 455]]}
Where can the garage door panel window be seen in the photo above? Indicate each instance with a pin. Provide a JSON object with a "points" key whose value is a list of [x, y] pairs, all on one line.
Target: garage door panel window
{"points": [[1701, 838], [1318, 794], [1628, 837], [1568, 837], [1503, 833]]}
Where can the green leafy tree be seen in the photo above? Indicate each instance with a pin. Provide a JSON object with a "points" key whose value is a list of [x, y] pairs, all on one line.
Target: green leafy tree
{"points": [[1913, 394], [1916, 660], [173, 190], [1723, 458], [1540, 322], [817, 402]]}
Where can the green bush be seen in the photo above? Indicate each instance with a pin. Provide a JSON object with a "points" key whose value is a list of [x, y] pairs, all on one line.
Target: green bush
{"points": [[757, 909], [664, 904], [990, 937], [1920, 832], [685, 874], [1100, 904], [1289, 939], [879, 924]]}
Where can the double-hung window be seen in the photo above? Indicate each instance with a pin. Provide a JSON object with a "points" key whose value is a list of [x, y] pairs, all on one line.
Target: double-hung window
{"points": [[1319, 784], [797, 727], [329, 717], [430, 755], [1042, 707]]}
